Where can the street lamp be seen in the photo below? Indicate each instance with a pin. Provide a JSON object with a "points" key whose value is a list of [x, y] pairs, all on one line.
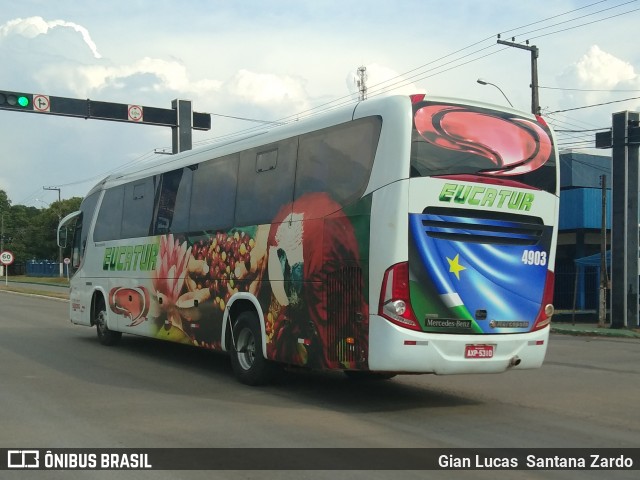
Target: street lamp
{"points": [[484, 82]]}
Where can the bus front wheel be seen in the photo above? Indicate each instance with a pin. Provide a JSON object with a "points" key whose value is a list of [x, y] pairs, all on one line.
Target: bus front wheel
{"points": [[107, 337], [247, 358]]}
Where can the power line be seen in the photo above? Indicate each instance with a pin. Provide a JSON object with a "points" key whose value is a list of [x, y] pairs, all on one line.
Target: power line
{"points": [[484, 40], [577, 18], [386, 85], [555, 16], [245, 119], [591, 89], [580, 131], [584, 24], [595, 104]]}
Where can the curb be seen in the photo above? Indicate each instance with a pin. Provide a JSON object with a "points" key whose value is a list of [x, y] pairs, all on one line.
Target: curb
{"points": [[594, 331]]}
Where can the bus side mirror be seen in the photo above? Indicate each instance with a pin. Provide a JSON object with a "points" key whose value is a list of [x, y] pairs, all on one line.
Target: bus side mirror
{"points": [[63, 236]]}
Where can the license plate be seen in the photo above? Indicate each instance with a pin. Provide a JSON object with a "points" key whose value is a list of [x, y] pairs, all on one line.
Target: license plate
{"points": [[478, 351]]}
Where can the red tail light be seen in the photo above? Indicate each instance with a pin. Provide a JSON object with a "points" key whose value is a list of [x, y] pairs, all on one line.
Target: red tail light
{"points": [[395, 301], [546, 307], [417, 98], [542, 121]]}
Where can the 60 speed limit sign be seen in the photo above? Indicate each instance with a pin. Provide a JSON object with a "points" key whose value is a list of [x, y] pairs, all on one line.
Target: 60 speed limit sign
{"points": [[6, 257]]}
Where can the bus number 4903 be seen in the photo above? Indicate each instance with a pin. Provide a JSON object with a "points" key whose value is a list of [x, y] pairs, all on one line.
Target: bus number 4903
{"points": [[534, 257]]}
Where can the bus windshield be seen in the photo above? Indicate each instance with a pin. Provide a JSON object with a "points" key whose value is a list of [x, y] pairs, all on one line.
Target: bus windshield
{"points": [[450, 139]]}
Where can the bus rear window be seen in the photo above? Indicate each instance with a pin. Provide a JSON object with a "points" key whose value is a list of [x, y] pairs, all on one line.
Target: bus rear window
{"points": [[453, 139]]}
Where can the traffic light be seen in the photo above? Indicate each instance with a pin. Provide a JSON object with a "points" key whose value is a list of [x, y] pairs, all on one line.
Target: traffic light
{"points": [[16, 101]]}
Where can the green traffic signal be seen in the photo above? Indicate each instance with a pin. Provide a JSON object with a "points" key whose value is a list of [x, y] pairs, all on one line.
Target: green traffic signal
{"points": [[17, 101]]}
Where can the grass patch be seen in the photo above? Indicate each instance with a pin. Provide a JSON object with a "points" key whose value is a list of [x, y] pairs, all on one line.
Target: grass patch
{"points": [[63, 294], [33, 285], [60, 281]]}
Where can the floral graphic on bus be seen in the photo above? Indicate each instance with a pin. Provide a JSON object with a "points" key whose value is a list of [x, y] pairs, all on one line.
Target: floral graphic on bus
{"points": [[512, 145], [168, 281], [284, 265]]}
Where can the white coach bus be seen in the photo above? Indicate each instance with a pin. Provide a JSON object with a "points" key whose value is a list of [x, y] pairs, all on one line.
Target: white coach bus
{"points": [[396, 235]]}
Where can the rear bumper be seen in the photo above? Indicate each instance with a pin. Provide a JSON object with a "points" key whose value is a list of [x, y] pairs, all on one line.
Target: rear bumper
{"points": [[396, 349]]}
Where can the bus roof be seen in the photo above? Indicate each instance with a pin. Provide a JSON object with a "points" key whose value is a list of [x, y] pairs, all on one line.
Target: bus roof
{"points": [[270, 134]]}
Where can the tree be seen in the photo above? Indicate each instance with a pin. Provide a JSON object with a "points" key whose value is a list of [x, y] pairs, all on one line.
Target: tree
{"points": [[29, 232]]}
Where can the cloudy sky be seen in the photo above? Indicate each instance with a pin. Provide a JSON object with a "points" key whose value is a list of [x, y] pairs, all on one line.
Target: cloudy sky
{"points": [[271, 59]]}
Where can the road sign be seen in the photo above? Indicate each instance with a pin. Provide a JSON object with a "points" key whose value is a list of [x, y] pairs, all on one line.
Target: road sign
{"points": [[6, 258], [41, 103], [67, 261], [135, 113]]}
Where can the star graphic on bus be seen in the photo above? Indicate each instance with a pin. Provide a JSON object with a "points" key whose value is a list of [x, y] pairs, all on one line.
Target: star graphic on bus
{"points": [[455, 267]]}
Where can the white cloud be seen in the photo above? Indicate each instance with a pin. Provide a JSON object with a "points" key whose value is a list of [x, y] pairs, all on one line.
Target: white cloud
{"points": [[157, 76], [255, 61], [595, 77], [599, 69], [32, 27], [265, 89]]}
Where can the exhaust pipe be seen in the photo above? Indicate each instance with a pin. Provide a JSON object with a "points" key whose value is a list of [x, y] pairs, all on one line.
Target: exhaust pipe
{"points": [[515, 361]]}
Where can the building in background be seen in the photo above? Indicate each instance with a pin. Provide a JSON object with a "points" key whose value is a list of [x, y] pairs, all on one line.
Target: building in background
{"points": [[580, 228]]}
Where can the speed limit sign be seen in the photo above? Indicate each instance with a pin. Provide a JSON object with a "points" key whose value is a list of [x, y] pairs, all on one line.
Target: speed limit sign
{"points": [[6, 257]]}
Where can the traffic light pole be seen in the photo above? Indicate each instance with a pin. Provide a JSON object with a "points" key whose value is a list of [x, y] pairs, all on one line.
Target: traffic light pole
{"points": [[624, 140], [181, 133], [181, 117]]}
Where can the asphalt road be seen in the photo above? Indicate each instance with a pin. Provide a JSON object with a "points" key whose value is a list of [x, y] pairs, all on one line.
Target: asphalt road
{"points": [[60, 388]]}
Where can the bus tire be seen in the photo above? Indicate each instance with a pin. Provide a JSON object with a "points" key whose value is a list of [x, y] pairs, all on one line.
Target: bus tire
{"points": [[105, 336], [247, 358]]}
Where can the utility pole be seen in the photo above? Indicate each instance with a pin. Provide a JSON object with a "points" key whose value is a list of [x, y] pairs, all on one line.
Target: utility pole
{"points": [[362, 83], [535, 98], [54, 189], [60, 267], [602, 310]]}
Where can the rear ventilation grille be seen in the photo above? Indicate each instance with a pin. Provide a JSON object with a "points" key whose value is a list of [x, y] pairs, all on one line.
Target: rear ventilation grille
{"points": [[345, 316], [462, 225]]}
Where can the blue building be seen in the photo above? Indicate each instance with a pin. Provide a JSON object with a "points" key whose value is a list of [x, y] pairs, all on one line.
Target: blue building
{"points": [[580, 228]]}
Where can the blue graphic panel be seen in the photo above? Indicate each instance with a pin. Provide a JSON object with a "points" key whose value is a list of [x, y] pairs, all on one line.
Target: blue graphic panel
{"points": [[495, 277]]}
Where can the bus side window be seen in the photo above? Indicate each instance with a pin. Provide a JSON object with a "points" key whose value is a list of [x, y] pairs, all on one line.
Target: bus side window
{"points": [[338, 160], [109, 218], [83, 222], [265, 185], [138, 208], [173, 199], [76, 247], [213, 194]]}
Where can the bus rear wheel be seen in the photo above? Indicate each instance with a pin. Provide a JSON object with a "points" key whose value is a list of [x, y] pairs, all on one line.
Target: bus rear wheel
{"points": [[247, 358], [105, 336]]}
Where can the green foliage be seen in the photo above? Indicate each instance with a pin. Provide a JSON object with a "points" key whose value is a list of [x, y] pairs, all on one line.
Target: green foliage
{"points": [[30, 232]]}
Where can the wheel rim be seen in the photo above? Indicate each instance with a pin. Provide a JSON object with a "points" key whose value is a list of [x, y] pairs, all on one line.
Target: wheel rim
{"points": [[246, 346], [101, 324]]}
